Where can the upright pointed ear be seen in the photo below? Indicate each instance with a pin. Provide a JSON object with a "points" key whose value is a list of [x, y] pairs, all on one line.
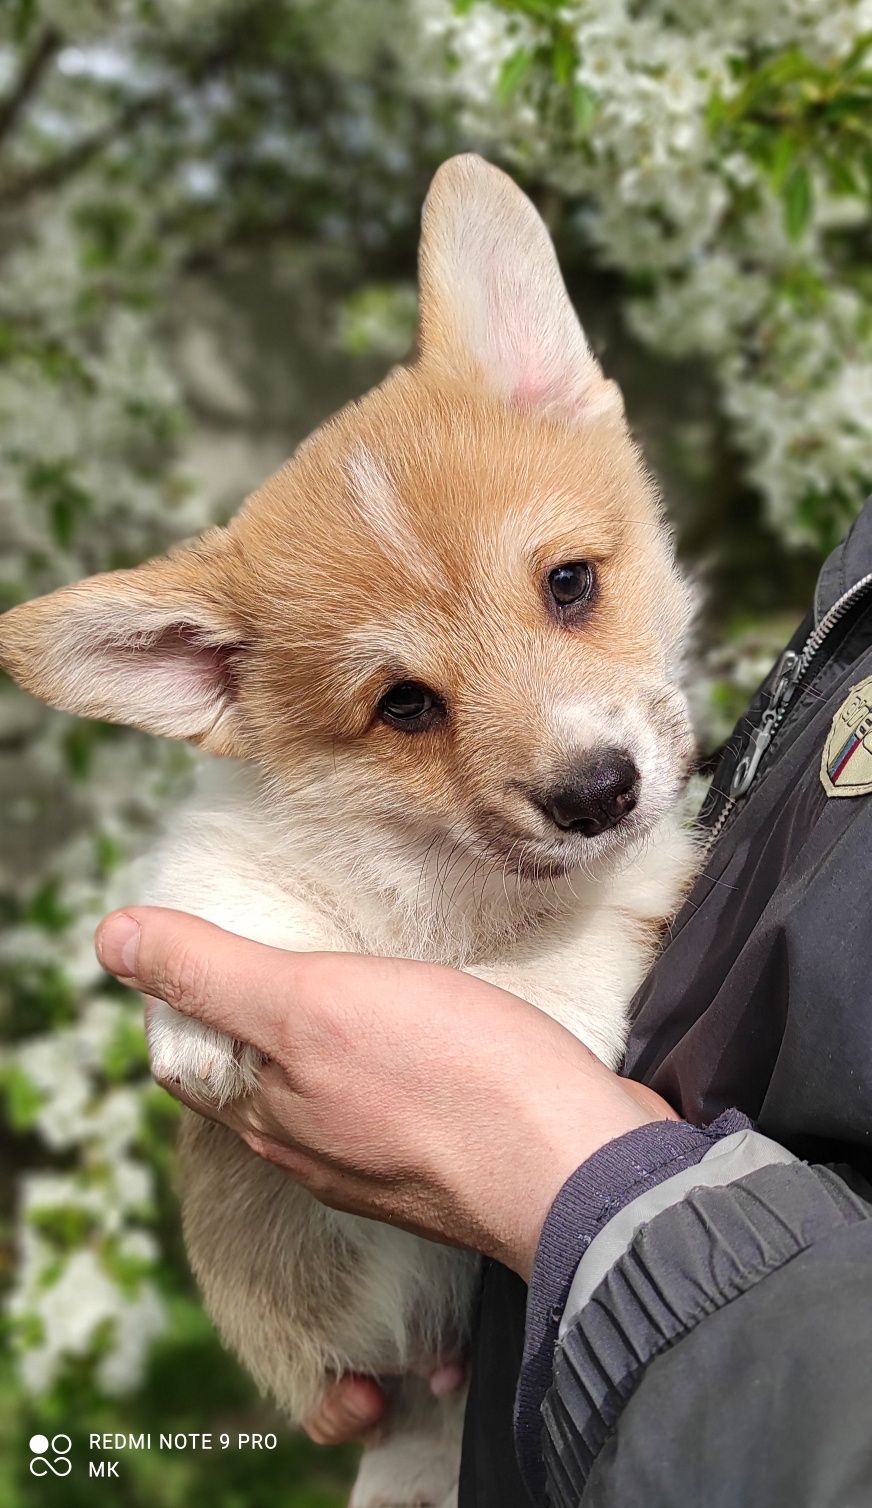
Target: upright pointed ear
{"points": [[494, 307], [158, 647]]}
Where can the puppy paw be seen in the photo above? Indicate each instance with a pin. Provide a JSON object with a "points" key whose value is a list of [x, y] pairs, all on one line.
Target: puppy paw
{"points": [[407, 1471], [204, 1063]]}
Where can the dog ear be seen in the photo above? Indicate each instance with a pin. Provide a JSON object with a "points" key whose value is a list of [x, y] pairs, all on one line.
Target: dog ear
{"points": [[158, 647], [494, 307]]}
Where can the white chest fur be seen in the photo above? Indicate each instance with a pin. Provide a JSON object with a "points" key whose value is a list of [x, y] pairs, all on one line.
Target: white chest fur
{"points": [[303, 1293], [576, 947]]}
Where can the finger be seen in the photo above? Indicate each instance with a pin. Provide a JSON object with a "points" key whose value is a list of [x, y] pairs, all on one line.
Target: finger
{"points": [[239, 987], [348, 1411]]}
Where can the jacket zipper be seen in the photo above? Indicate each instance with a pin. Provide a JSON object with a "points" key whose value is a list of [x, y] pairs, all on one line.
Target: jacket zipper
{"points": [[790, 672]]}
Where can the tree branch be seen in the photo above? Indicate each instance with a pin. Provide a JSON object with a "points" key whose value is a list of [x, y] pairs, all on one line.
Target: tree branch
{"points": [[57, 170], [32, 69], [209, 255]]}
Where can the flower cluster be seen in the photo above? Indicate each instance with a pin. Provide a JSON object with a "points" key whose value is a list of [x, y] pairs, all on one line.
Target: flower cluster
{"points": [[121, 135], [710, 153], [89, 416], [84, 1283], [715, 157]]}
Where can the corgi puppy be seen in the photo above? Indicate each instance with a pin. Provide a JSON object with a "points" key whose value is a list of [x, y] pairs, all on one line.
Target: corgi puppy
{"points": [[439, 656]]}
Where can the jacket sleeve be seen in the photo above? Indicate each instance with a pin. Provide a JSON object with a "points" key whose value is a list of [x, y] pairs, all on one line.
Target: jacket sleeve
{"points": [[699, 1329]]}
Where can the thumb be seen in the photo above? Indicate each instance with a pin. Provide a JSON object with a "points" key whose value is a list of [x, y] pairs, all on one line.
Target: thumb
{"points": [[239, 987]]}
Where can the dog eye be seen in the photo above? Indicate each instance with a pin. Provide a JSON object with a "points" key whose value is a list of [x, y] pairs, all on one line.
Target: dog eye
{"points": [[410, 705], [571, 584]]}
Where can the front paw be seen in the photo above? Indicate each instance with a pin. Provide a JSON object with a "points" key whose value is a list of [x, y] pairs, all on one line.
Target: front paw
{"points": [[408, 1471], [203, 1062]]}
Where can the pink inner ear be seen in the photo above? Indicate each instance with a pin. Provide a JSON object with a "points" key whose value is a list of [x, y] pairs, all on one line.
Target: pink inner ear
{"points": [[530, 391], [537, 389], [180, 653], [216, 663]]}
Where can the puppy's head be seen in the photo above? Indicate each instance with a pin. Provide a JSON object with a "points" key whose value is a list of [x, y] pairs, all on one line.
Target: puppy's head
{"points": [[454, 613]]}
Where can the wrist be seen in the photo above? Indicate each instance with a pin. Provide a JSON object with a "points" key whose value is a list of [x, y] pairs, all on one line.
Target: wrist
{"points": [[563, 1120]]}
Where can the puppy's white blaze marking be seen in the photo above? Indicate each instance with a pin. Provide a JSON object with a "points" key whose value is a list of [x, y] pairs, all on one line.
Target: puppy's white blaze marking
{"points": [[377, 502], [374, 493], [580, 725]]}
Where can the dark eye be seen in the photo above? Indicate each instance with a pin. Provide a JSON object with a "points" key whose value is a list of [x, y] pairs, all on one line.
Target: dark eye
{"points": [[571, 585], [410, 705]]}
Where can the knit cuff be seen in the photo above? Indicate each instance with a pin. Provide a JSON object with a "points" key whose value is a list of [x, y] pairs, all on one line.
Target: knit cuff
{"points": [[618, 1173]]}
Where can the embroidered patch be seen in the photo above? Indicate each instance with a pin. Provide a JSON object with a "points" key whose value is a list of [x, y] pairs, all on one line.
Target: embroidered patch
{"points": [[846, 765]]}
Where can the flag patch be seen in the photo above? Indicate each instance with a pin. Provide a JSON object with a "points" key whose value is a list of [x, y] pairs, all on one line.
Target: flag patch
{"points": [[846, 764]]}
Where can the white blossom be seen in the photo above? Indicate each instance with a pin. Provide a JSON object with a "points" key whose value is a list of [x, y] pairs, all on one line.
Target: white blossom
{"points": [[656, 194], [698, 235]]}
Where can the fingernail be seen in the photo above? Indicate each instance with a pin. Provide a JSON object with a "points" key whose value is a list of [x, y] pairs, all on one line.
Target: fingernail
{"points": [[118, 944]]}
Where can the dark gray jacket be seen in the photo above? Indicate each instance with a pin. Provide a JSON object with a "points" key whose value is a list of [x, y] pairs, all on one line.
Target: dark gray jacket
{"points": [[698, 1330]]}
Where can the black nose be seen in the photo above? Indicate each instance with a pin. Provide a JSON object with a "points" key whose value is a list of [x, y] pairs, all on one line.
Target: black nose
{"points": [[596, 795]]}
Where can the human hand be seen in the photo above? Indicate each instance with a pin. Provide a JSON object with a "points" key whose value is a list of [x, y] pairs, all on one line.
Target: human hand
{"points": [[401, 1091]]}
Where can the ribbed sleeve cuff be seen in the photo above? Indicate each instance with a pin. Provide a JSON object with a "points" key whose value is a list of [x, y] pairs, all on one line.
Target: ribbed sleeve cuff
{"points": [[614, 1176]]}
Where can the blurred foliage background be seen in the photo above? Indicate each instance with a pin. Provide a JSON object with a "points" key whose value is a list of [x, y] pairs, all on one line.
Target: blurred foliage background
{"points": [[208, 220]]}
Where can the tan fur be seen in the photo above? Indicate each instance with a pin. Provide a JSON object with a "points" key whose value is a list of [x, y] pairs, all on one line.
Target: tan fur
{"points": [[496, 496], [409, 539]]}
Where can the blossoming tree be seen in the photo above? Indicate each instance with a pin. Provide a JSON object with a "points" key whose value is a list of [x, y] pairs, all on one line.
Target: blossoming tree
{"points": [[707, 171]]}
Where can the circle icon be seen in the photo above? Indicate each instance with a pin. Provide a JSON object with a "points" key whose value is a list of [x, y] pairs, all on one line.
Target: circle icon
{"points": [[41, 1464]]}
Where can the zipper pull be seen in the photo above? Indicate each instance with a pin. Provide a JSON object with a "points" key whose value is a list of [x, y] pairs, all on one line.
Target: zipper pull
{"points": [[786, 677], [746, 769]]}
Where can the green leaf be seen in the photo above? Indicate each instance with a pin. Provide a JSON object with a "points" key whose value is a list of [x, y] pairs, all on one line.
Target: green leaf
{"points": [[67, 501], [850, 106], [28, 1330], [23, 17], [109, 853], [127, 1271], [798, 200], [23, 1100], [46, 910], [126, 1053], [857, 56], [585, 107], [40, 994], [788, 68], [66, 1226], [782, 159], [563, 58], [512, 74], [540, 10], [717, 112], [841, 175], [78, 745], [80, 742]]}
